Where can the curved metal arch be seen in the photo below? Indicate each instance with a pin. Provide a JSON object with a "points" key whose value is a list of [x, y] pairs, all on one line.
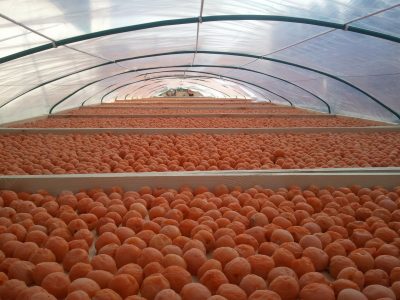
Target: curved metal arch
{"points": [[139, 88], [216, 76], [184, 66], [181, 66], [174, 76], [156, 88], [192, 83], [218, 91], [250, 88], [174, 53], [194, 20], [83, 103], [220, 53], [277, 61]]}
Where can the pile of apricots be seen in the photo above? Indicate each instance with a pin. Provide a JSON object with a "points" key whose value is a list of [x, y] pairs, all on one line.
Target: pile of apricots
{"points": [[201, 244], [106, 152], [98, 110], [197, 122]]}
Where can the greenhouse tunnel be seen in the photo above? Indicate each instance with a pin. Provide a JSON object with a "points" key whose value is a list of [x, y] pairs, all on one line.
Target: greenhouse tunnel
{"points": [[338, 57], [200, 150]]}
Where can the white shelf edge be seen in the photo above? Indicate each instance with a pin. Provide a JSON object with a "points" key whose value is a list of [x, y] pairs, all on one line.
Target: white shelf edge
{"points": [[387, 177], [201, 130]]}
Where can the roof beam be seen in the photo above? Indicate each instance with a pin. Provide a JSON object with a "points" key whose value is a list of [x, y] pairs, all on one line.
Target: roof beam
{"points": [[272, 18], [223, 76], [225, 79], [374, 99], [183, 66]]}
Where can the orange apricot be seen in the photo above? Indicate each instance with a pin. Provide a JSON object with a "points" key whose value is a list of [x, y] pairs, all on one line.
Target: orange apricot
{"points": [[195, 291], [352, 274], [206, 238], [171, 231], [149, 255], [171, 249], [264, 294], [341, 284], [318, 257], [283, 257], [177, 277], [280, 236], [194, 258], [78, 295], [25, 251], [280, 271], [82, 244], [387, 263], [152, 268], [106, 238], [212, 279], [236, 269], [58, 246], [312, 277], [293, 247], [42, 255], [376, 276], [310, 241], [57, 284], [363, 259], [123, 233], [261, 265], [124, 284], [132, 269], [73, 257], [152, 285], [210, 264], [375, 291], [159, 241], [21, 270], [106, 294], [109, 249], [395, 274], [167, 294], [101, 277], [351, 294], [267, 248], [104, 262], [231, 292], [251, 283], [302, 266], [87, 285], [135, 241], [338, 263], [126, 254], [285, 286], [79, 270], [11, 288], [173, 259], [317, 291]]}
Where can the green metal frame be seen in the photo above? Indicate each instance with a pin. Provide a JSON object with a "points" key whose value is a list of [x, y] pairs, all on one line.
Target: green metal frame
{"points": [[206, 66], [374, 99], [193, 20], [175, 71], [195, 83], [182, 66], [241, 83], [83, 103], [268, 75]]}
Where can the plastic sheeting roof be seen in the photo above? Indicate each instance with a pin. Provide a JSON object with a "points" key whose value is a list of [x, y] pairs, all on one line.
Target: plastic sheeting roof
{"points": [[339, 57]]}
